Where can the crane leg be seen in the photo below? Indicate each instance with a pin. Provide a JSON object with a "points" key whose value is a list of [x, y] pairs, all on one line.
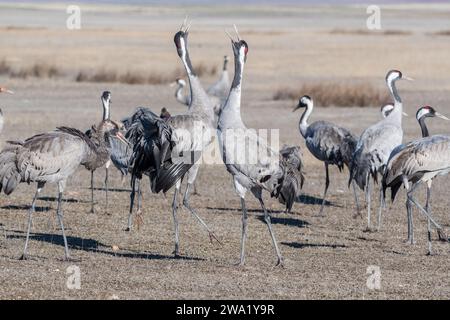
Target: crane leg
{"points": [[409, 210], [192, 211], [59, 214], [358, 211], [92, 192], [176, 252], [430, 219], [409, 215], [30, 222], [272, 235], [427, 209], [327, 184], [368, 193], [195, 192], [139, 219], [106, 187], [380, 209], [244, 232], [132, 194]]}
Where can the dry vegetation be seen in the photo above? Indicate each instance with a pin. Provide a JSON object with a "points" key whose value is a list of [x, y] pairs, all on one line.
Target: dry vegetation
{"points": [[370, 32], [45, 70], [337, 94], [442, 33], [141, 78]]}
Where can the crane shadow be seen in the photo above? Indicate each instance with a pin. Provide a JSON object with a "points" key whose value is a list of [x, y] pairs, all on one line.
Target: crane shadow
{"points": [[70, 200], [25, 207], [307, 199], [111, 189], [298, 245], [239, 210], [286, 221], [91, 245]]}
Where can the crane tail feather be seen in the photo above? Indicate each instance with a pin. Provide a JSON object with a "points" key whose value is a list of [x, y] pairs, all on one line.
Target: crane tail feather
{"points": [[293, 177]]}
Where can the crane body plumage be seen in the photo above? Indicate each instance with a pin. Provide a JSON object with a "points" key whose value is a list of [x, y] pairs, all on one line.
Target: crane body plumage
{"points": [[375, 146], [51, 158], [418, 161], [253, 164], [327, 142]]}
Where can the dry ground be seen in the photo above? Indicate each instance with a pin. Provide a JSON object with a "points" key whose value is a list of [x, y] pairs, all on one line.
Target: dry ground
{"points": [[326, 257]]}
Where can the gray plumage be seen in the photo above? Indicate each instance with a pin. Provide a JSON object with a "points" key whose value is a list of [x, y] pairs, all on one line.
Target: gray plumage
{"points": [[327, 142], [188, 137], [112, 147], [50, 158], [292, 164], [376, 144], [217, 92], [254, 165], [418, 161]]}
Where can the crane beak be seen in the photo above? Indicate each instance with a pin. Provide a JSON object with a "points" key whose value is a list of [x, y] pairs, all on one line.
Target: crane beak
{"points": [[437, 114], [295, 108], [405, 114], [408, 78], [122, 138]]}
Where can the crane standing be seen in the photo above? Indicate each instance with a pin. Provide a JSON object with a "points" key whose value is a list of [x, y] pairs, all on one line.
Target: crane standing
{"points": [[376, 144], [52, 158], [270, 171], [419, 161], [332, 144]]}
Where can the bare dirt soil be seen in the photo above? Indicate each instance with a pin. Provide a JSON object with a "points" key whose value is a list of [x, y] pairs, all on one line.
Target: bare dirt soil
{"points": [[325, 257]]}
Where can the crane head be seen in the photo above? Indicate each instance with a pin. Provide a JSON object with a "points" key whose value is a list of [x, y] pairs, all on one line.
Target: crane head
{"points": [[106, 96], [303, 102], [394, 75], [240, 47], [387, 109], [428, 111], [180, 38]]}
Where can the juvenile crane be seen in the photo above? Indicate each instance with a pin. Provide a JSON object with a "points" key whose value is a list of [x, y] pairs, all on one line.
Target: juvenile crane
{"points": [[270, 171], [114, 148], [328, 142], [376, 144], [419, 161], [52, 158]]}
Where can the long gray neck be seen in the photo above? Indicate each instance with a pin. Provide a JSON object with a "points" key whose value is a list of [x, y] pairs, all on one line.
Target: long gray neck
{"points": [[423, 127], [230, 114], [394, 91], [238, 71], [303, 123], [397, 112], [106, 110], [199, 101]]}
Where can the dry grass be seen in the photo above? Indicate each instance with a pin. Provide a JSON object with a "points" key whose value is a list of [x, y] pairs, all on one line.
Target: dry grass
{"points": [[37, 70], [441, 33], [336, 94], [130, 77], [365, 32]]}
